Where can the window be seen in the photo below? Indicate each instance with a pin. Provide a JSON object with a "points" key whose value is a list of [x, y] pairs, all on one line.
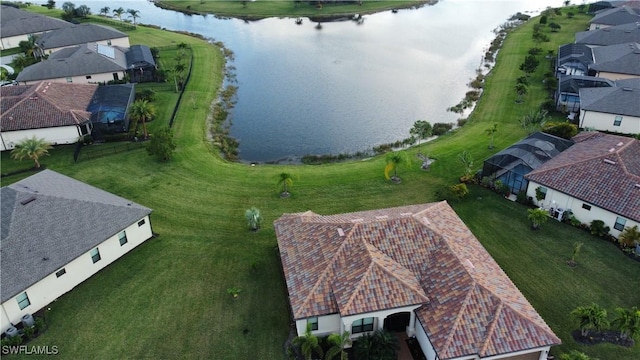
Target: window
{"points": [[123, 238], [362, 325], [88, 77], [313, 322], [69, 80], [617, 121], [586, 207], [141, 222], [61, 272], [541, 193], [620, 222], [95, 255], [23, 300], [109, 42]]}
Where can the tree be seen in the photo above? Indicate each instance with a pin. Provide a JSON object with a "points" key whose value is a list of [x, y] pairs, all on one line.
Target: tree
{"points": [[51, 4], [628, 322], [118, 13], [338, 343], [567, 2], [554, 27], [534, 120], [491, 132], [521, 90], [33, 148], [543, 19], [162, 144], [254, 219], [105, 11], [530, 64], [142, 110], [69, 11], [309, 344], [28, 47], [83, 11], [630, 236], [459, 190], [576, 250], [591, 317], [441, 128], [134, 14], [467, 162], [395, 159], [421, 129], [537, 217], [178, 71], [285, 180], [575, 355]]}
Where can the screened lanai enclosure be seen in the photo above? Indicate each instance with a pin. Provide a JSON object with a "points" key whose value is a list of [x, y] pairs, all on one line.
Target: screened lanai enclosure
{"points": [[109, 107], [513, 163]]}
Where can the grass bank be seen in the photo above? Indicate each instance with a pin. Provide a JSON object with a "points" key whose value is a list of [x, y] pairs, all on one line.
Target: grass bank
{"points": [[168, 299]]}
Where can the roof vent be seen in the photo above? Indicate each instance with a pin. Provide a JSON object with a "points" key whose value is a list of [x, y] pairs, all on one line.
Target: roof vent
{"points": [[27, 200], [612, 150], [406, 214], [637, 186], [609, 161], [357, 220], [469, 263], [382, 217], [627, 89], [620, 143], [426, 221], [340, 232]]}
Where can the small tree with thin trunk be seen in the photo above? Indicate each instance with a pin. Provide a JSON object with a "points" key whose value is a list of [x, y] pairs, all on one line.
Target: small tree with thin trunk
{"points": [[33, 148], [395, 159], [338, 343], [143, 111], [491, 132], [309, 344], [577, 246], [537, 217], [285, 180], [162, 144], [254, 219]]}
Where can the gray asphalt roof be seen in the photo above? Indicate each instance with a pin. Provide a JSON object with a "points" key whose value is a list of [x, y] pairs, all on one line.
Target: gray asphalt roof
{"points": [[65, 219], [611, 100], [15, 22], [77, 35], [620, 59], [74, 61], [616, 16], [620, 34]]}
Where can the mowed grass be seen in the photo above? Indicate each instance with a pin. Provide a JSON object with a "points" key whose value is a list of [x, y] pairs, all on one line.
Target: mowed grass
{"points": [[168, 299]]}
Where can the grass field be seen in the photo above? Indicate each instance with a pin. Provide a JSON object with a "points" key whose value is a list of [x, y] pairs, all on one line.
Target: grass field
{"points": [[168, 299]]}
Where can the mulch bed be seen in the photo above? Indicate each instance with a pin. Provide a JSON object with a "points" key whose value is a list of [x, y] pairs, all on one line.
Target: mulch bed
{"points": [[597, 337]]}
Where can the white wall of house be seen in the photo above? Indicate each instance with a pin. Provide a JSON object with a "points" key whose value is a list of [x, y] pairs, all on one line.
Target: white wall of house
{"points": [[425, 343], [77, 270], [83, 79], [583, 211], [606, 122], [615, 76], [11, 42], [328, 324], [53, 135], [531, 354], [595, 26], [122, 42]]}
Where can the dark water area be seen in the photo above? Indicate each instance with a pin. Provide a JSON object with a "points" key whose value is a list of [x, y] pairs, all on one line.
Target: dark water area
{"points": [[346, 86]]}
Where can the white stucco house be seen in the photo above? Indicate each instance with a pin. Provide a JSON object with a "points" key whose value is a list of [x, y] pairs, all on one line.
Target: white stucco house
{"points": [[55, 40], [598, 178], [415, 269], [614, 109], [56, 233], [17, 25]]}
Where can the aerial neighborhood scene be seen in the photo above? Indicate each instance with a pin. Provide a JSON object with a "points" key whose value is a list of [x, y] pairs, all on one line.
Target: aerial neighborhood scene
{"points": [[320, 179]]}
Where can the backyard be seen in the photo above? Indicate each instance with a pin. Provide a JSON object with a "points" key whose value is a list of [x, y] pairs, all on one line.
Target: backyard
{"points": [[168, 298]]}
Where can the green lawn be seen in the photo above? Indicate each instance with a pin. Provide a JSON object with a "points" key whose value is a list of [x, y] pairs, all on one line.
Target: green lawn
{"points": [[168, 298]]}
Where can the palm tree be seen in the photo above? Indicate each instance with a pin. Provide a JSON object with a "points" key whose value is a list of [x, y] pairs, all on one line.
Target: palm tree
{"points": [[628, 322], [630, 236], [118, 13], [395, 159], [253, 218], [338, 342], [142, 110], [385, 345], [591, 317], [521, 90], [308, 343], [285, 180], [492, 132], [32, 148], [134, 14], [104, 11], [178, 70], [538, 217]]}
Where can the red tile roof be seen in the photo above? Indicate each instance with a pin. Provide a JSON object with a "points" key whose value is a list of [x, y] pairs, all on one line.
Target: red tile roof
{"points": [[412, 255], [42, 105], [599, 169]]}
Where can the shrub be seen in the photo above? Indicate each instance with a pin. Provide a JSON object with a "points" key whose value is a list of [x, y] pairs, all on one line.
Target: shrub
{"points": [[565, 130], [441, 128], [598, 228], [462, 122], [146, 94], [522, 198], [459, 190]]}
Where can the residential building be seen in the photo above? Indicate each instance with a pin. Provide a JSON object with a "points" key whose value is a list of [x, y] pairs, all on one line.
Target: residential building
{"points": [[80, 34], [615, 16], [416, 269], [16, 25], [620, 34], [56, 233], [614, 109], [616, 62]]}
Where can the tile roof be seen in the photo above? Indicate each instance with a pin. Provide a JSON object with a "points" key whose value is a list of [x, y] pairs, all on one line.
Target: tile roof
{"points": [[65, 219], [14, 22], [43, 105], [599, 169], [619, 34], [418, 254], [77, 35]]}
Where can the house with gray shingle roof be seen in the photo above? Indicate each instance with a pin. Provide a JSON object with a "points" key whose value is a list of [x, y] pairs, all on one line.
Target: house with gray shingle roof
{"points": [[620, 34], [416, 269], [84, 64], [16, 25], [616, 62], [56, 233], [615, 109], [80, 34], [616, 16], [598, 178]]}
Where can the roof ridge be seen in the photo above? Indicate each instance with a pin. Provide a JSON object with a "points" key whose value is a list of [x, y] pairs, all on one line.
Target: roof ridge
{"points": [[355, 290], [463, 307], [492, 327], [33, 89]]}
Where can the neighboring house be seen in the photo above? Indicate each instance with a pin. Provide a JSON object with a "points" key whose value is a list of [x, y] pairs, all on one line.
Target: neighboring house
{"points": [[85, 64], [16, 25], [75, 35], [598, 178], [574, 59], [568, 93], [513, 163], [52, 111], [416, 269], [141, 66], [616, 62], [56, 233], [621, 34], [615, 109], [612, 17]]}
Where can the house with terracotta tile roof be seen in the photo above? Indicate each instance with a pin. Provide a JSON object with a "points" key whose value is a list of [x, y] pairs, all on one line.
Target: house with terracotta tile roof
{"points": [[416, 269], [598, 178]]}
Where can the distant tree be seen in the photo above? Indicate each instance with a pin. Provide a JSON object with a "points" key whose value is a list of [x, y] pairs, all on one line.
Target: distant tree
{"points": [[105, 11], [142, 111], [162, 144], [537, 217], [133, 14], [254, 219], [338, 343], [628, 322], [421, 129], [309, 344], [395, 159], [441, 128], [118, 13], [491, 132], [543, 19], [554, 27], [69, 10], [591, 317], [51, 4], [83, 11], [33, 148], [570, 14], [28, 47], [530, 64], [285, 180], [567, 2]]}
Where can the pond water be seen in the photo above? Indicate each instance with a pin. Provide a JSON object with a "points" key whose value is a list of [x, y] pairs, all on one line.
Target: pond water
{"points": [[347, 86]]}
